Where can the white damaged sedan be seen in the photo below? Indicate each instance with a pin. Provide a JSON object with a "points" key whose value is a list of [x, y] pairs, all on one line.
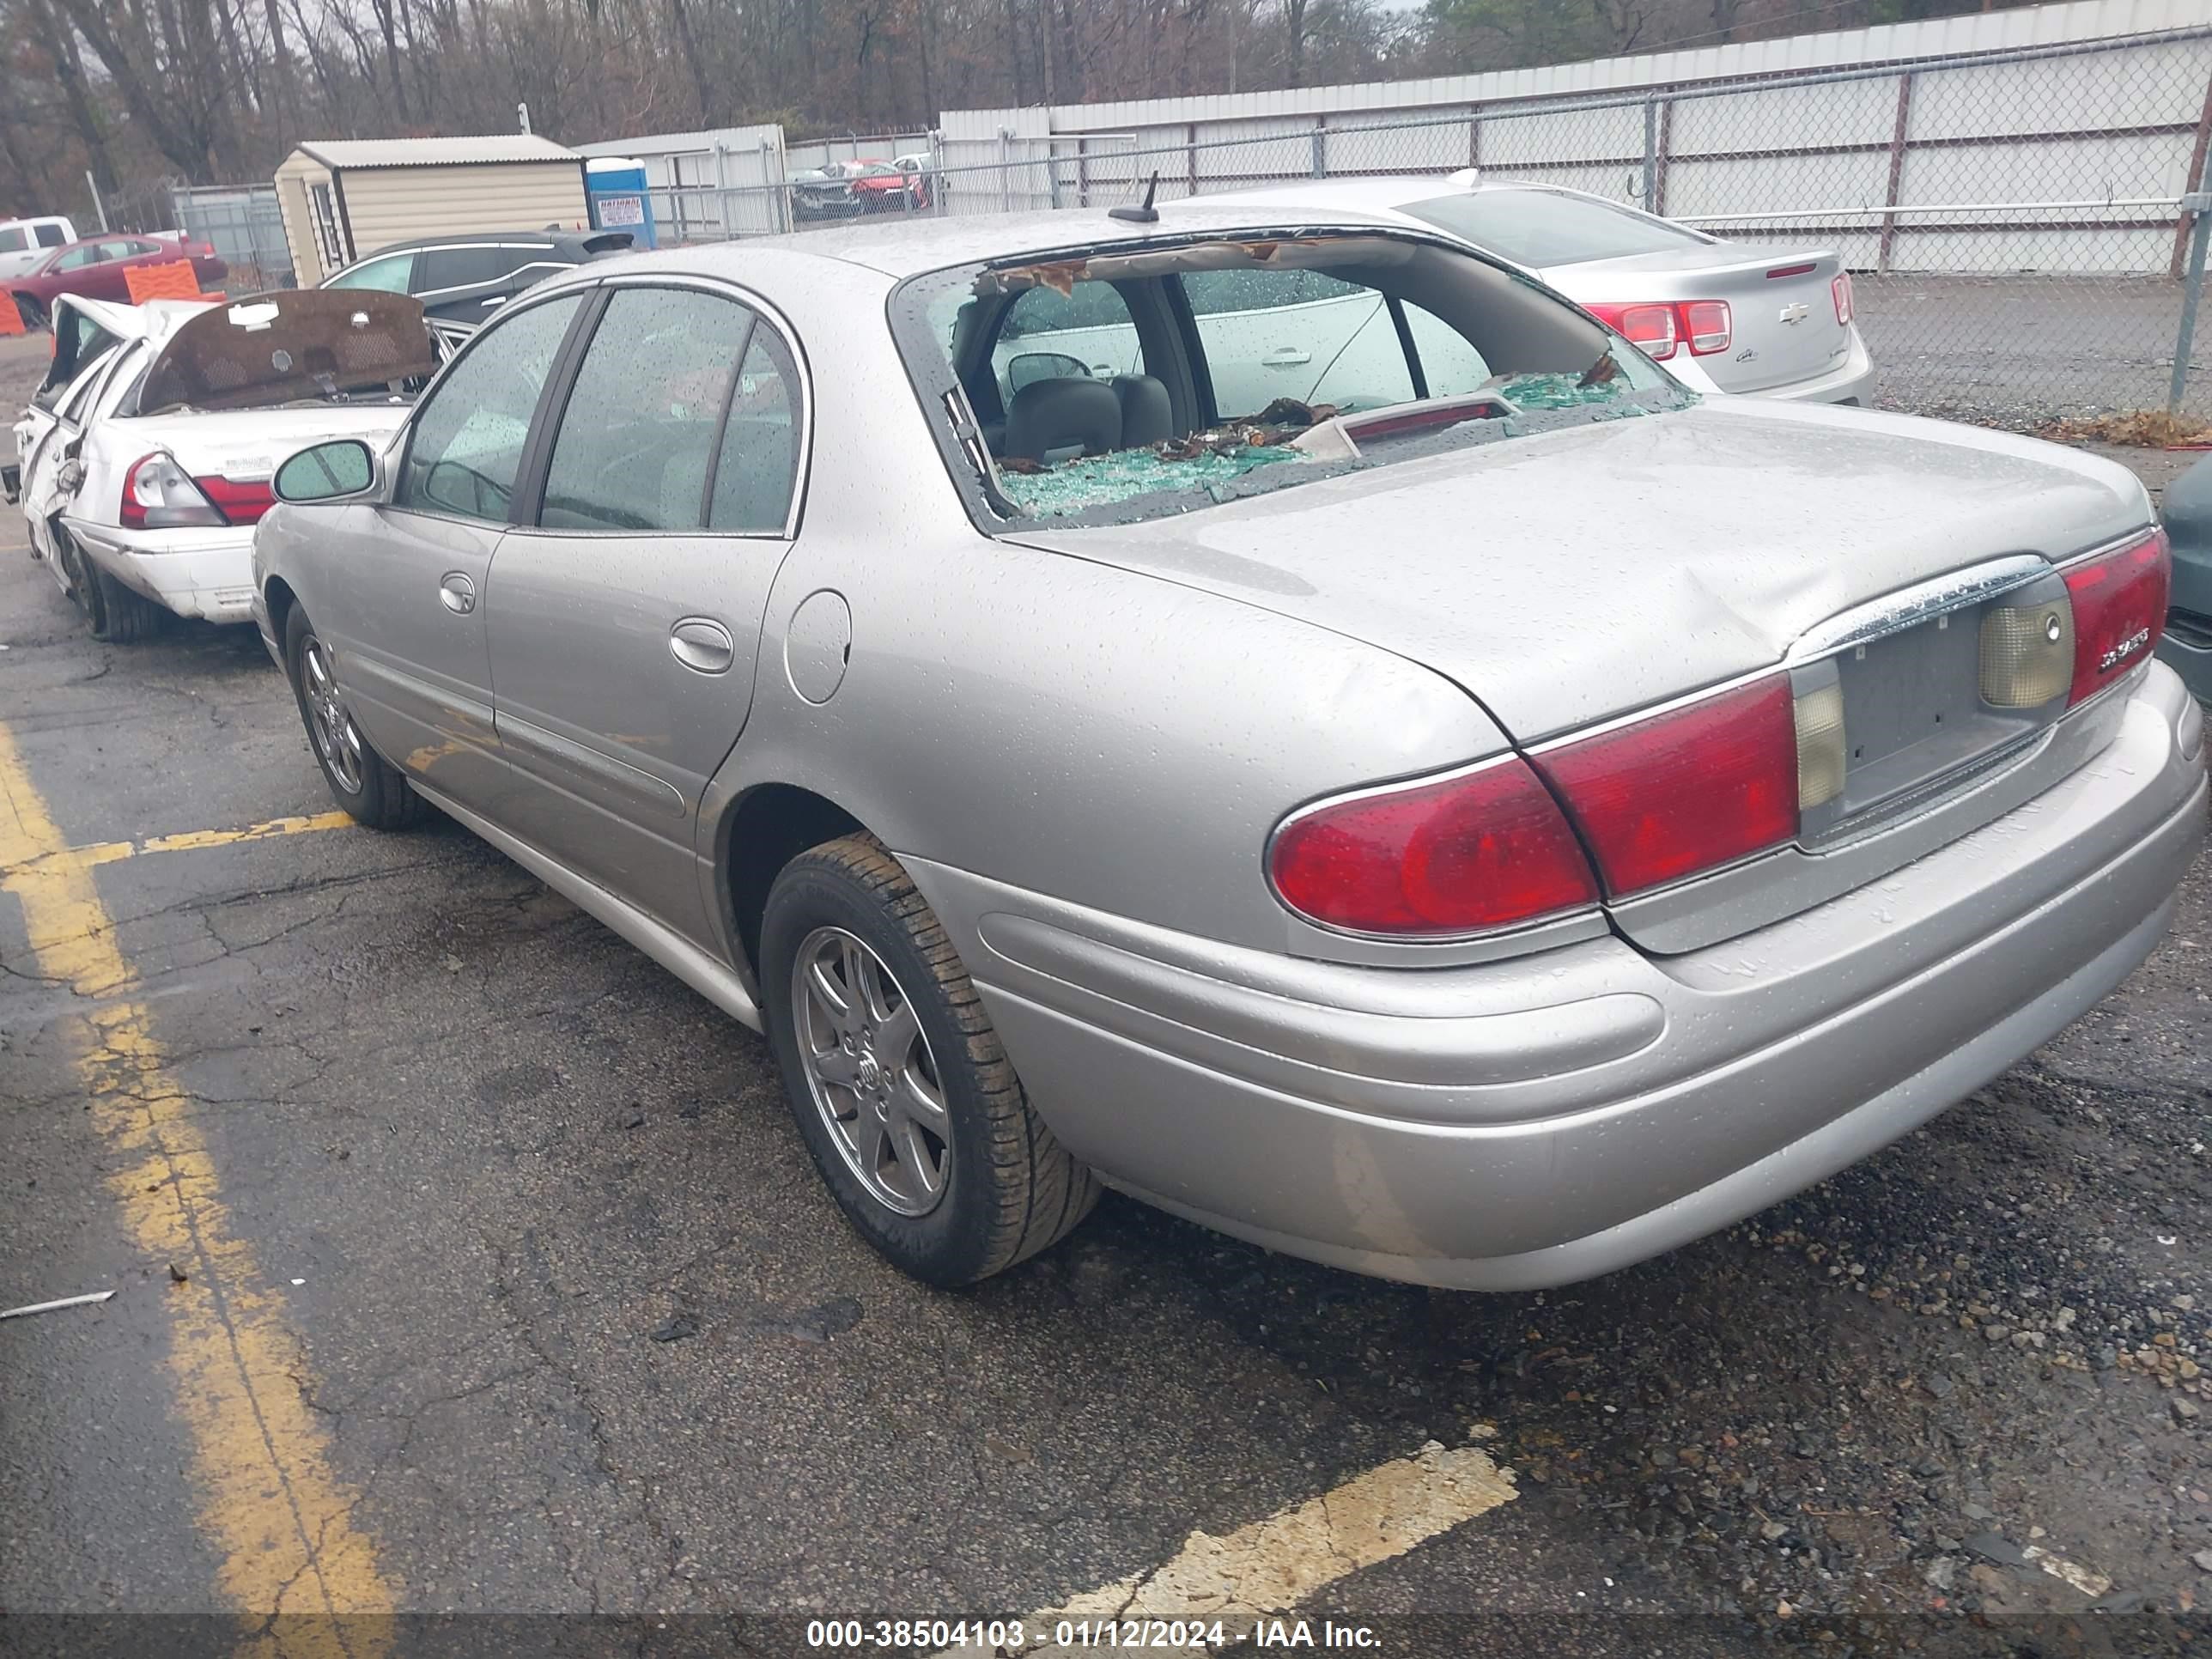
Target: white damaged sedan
{"points": [[144, 456]]}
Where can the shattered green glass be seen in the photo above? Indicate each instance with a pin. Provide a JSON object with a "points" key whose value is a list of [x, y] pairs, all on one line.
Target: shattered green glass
{"points": [[1097, 481], [1557, 391]]}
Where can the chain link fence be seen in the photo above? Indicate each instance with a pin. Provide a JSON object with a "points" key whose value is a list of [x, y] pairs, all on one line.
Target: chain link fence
{"points": [[244, 224], [2022, 227]]}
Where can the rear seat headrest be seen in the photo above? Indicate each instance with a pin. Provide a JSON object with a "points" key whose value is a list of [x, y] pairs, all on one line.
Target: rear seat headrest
{"points": [[1049, 416], [1147, 417]]}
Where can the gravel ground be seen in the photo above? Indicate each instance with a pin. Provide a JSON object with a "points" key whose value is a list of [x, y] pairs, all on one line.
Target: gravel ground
{"points": [[2021, 351], [587, 1338]]}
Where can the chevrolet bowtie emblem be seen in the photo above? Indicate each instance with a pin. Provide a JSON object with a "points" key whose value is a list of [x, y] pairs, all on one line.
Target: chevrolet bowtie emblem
{"points": [[1795, 314]]}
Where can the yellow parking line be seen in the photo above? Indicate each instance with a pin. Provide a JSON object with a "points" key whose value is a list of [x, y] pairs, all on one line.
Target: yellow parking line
{"points": [[189, 840], [1265, 1569], [278, 1516]]}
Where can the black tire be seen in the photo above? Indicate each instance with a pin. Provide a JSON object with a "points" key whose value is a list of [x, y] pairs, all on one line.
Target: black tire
{"points": [[82, 591], [380, 797], [118, 616], [1008, 1189]]}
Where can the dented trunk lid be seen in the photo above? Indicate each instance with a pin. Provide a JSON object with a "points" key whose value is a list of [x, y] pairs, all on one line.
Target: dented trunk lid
{"points": [[1572, 576]]}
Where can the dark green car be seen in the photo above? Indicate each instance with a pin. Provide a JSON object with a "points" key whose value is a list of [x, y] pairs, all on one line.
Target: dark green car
{"points": [[2188, 642]]}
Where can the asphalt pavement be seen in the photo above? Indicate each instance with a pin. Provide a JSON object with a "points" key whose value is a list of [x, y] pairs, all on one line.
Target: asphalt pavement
{"points": [[469, 1268], [2025, 348]]}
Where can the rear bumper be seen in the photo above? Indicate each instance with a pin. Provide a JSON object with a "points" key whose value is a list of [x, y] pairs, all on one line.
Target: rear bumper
{"points": [[1538, 1121], [206, 573], [1851, 382]]}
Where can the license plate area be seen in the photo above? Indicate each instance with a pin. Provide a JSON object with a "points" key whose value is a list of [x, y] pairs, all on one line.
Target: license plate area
{"points": [[1917, 724]]}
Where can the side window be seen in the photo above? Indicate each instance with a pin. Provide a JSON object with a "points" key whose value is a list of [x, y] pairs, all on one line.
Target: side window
{"points": [[136, 248], [77, 258], [85, 389], [1049, 334], [50, 236], [1301, 334], [459, 267], [1450, 363], [388, 275], [758, 463], [79, 345], [12, 239], [637, 438], [466, 446], [329, 250]]}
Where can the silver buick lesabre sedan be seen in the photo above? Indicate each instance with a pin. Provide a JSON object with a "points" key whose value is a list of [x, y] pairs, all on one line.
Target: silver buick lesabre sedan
{"points": [[1485, 819]]}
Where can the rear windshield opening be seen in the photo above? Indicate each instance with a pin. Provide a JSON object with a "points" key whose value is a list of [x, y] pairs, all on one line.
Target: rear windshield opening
{"points": [[1131, 383]]}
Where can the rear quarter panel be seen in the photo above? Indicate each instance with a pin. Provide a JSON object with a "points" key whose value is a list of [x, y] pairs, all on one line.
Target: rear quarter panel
{"points": [[1107, 737]]}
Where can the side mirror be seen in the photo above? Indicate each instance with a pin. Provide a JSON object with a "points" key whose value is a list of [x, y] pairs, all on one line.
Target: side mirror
{"points": [[332, 471]]}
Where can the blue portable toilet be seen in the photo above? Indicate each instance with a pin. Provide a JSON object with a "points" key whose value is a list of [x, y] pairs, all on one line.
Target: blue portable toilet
{"points": [[615, 186]]}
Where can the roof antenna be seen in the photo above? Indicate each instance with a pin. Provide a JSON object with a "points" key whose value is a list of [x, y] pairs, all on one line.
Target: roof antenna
{"points": [[1144, 213]]}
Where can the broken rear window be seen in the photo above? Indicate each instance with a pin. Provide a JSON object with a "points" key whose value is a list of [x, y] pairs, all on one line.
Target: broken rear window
{"points": [[1150, 379]]}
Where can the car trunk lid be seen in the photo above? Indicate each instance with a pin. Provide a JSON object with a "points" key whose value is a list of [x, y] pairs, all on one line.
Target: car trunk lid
{"points": [[1577, 577], [275, 347], [1781, 300]]}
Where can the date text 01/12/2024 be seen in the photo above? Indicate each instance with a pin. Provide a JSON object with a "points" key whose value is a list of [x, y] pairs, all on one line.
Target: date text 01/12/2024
{"points": [[1042, 1636]]}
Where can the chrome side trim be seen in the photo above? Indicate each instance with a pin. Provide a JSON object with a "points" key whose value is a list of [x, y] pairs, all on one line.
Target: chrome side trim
{"points": [[1652, 711], [716, 981], [1922, 602]]}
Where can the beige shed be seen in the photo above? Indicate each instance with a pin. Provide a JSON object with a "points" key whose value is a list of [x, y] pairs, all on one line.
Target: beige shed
{"points": [[343, 198]]}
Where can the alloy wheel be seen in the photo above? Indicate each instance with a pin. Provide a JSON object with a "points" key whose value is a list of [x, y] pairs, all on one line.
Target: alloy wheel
{"points": [[870, 1071], [337, 740]]}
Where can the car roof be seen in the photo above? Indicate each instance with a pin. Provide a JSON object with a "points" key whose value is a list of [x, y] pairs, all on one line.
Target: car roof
{"points": [[906, 247], [545, 239], [1385, 194], [104, 236]]}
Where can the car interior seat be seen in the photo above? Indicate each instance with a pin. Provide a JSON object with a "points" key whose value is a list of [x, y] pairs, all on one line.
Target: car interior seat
{"points": [[1052, 419], [1147, 417]]}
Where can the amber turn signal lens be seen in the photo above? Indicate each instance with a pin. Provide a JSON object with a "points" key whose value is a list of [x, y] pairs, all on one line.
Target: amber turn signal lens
{"points": [[2027, 653], [1820, 749]]}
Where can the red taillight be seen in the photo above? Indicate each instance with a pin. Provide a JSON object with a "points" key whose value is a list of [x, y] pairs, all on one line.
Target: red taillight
{"points": [[1845, 307], [1701, 786], [1653, 329], [2119, 612], [1707, 323], [157, 495], [241, 501], [1487, 848]]}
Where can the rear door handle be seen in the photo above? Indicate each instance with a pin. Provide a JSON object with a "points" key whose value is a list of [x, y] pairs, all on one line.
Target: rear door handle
{"points": [[1286, 357], [702, 645], [457, 593]]}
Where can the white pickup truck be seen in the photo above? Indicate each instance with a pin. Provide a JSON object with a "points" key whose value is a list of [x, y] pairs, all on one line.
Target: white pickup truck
{"points": [[24, 242]]}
